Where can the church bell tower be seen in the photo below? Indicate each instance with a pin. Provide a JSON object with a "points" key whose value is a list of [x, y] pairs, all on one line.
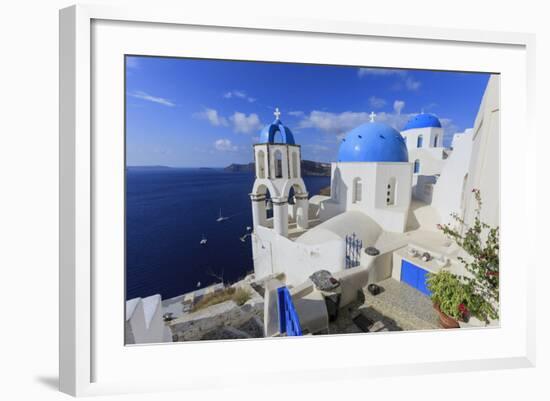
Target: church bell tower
{"points": [[277, 160]]}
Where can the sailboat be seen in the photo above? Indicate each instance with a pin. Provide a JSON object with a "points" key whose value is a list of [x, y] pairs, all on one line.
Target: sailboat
{"points": [[203, 240], [221, 218]]}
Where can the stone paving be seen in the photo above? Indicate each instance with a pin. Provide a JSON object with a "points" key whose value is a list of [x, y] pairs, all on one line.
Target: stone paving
{"points": [[397, 307]]}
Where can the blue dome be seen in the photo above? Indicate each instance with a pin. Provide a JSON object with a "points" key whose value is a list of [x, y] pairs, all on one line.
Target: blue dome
{"points": [[373, 142], [423, 121], [276, 132]]}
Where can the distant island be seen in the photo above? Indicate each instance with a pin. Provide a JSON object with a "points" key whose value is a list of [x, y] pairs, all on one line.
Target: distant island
{"points": [[309, 168], [149, 167]]}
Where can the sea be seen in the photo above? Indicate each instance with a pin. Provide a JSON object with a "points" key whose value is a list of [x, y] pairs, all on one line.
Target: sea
{"points": [[169, 211]]}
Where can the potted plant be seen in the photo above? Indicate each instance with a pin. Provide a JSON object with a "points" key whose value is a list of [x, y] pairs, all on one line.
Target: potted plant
{"points": [[477, 292], [450, 297]]}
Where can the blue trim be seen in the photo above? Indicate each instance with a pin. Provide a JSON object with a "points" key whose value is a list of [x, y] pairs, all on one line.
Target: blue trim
{"points": [[289, 322], [414, 276], [269, 134]]}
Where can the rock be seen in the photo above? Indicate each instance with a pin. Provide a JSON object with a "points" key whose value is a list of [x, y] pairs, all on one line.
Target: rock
{"points": [[225, 333], [254, 327], [324, 281]]}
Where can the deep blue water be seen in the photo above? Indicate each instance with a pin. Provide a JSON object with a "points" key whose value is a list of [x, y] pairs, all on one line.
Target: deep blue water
{"points": [[168, 211]]}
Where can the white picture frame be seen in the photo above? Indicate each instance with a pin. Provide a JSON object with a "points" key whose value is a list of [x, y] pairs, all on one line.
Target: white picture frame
{"points": [[88, 359]]}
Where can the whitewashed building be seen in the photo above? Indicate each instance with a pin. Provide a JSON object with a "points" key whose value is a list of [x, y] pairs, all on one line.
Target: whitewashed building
{"points": [[144, 321], [389, 190]]}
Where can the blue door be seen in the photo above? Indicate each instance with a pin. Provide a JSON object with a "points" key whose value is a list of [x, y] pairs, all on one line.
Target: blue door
{"points": [[414, 276]]}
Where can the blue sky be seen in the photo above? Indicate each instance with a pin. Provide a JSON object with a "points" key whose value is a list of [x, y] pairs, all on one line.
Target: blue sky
{"points": [[208, 113]]}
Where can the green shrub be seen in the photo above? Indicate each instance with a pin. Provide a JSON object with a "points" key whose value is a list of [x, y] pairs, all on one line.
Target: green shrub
{"points": [[450, 294], [480, 289], [238, 295]]}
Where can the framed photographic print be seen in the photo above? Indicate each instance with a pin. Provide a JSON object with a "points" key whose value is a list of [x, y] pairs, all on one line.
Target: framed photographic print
{"points": [[329, 191]]}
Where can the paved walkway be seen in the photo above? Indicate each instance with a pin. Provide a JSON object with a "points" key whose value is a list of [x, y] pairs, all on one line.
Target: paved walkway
{"points": [[398, 307]]}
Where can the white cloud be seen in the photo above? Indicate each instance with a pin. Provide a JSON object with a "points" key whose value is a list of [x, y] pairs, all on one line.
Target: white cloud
{"points": [[318, 148], [224, 145], [398, 106], [238, 94], [145, 96], [412, 84], [404, 77], [361, 72], [213, 117], [132, 62], [245, 124], [296, 113], [376, 102], [449, 129], [340, 123], [335, 123]]}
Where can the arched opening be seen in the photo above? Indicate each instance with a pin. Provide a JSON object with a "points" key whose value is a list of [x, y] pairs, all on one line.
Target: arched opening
{"points": [[436, 141], [291, 193], [278, 159], [390, 191], [260, 164], [277, 137], [463, 196], [295, 164], [268, 209], [299, 202], [419, 141], [417, 166], [262, 208], [357, 190]]}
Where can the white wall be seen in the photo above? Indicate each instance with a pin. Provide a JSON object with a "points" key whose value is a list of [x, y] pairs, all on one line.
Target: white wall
{"points": [[484, 164], [144, 323], [277, 254], [429, 135], [448, 191], [374, 180]]}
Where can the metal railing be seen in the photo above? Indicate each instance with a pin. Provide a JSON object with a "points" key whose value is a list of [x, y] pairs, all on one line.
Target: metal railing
{"points": [[289, 322], [353, 251]]}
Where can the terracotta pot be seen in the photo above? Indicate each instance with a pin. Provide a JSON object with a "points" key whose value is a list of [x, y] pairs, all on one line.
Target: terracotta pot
{"points": [[446, 321]]}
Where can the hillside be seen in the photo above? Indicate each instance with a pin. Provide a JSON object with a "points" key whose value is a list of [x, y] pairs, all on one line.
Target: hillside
{"points": [[309, 168]]}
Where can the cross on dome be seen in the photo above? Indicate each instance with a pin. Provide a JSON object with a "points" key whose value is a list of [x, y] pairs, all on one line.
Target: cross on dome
{"points": [[277, 113], [372, 116]]}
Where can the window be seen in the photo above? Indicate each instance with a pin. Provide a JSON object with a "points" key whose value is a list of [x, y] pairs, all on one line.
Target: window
{"points": [[260, 164], [357, 189], [390, 191], [278, 164], [436, 140], [416, 166], [419, 141]]}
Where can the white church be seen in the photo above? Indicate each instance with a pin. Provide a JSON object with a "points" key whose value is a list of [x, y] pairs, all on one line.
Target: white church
{"points": [[389, 190]]}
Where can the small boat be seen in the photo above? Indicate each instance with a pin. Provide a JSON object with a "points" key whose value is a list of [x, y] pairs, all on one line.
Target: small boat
{"points": [[248, 228], [203, 240], [221, 218], [198, 284]]}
